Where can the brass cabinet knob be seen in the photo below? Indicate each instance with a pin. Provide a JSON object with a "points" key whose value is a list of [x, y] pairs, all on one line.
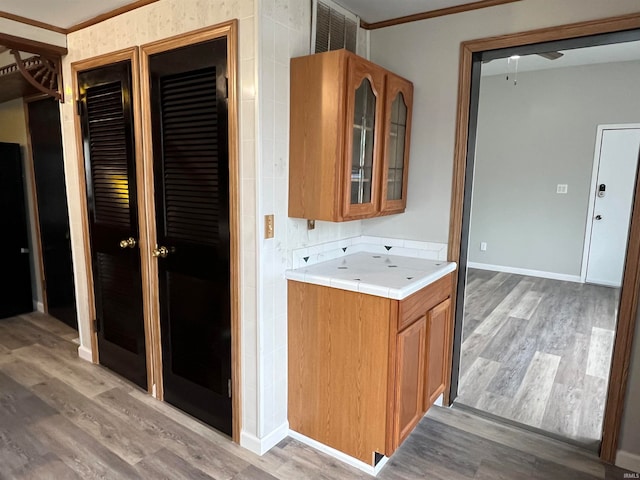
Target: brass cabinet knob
{"points": [[128, 243], [161, 252]]}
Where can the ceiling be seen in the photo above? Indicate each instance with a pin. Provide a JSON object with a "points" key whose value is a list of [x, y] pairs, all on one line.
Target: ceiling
{"points": [[616, 52], [372, 11], [61, 13]]}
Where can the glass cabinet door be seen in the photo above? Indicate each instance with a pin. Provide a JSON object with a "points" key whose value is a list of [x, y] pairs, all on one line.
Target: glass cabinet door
{"points": [[364, 124], [398, 123], [365, 121], [396, 147]]}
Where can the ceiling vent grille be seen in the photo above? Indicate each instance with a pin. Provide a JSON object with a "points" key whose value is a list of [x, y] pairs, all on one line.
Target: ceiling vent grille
{"points": [[333, 27]]}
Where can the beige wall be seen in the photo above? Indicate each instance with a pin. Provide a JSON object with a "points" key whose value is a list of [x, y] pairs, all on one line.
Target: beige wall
{"points": [[427, 53], [159, 20], [13, 129]]}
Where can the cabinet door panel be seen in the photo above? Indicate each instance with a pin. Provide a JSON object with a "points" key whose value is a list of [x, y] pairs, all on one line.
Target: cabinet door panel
{"points": [[438, 320], [365, 89], [410, 375], [398, 105]]}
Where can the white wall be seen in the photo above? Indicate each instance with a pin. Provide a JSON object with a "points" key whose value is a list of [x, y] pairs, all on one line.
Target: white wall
{"points": [[427, 52], [13, 129], [531, 137], [284, 33]]}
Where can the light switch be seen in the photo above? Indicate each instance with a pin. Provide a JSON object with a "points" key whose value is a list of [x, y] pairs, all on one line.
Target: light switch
{"points": [[268, 226], [562, 188]]}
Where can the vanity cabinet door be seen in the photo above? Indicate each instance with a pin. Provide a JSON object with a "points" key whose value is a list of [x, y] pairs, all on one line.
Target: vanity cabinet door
{"points": [[437, 354], [364, 139], [410, 376], [399, 101]]}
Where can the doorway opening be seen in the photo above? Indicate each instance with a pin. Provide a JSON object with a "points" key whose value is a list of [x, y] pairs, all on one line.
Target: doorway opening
{"points": [[533, 341]]}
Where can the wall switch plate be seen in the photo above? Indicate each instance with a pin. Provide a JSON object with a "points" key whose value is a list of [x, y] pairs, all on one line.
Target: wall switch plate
{"points": [[483, 246], [562, 188], [268, 226]]}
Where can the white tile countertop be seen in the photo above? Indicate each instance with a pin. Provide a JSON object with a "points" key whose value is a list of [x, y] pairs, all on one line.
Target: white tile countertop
{"points": [[388, 276]]}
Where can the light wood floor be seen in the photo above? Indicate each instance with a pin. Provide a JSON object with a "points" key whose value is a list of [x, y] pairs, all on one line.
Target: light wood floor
{"points": [[63, 418], [538, 352]]}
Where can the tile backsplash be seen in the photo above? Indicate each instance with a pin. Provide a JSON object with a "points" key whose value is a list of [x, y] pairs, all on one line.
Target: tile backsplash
{"points": [[328, 251]]}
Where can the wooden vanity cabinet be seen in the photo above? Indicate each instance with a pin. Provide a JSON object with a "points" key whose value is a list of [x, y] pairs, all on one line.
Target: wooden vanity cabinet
{"points": [[349, 138], [363, 369]]}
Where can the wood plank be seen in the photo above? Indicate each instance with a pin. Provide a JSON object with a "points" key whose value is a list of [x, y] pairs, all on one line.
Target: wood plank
{"points": [[531, 399], [81, 452], [115, 434], [166, 464], [600, 348], [169, 433], [499, 314], [476, 379]]}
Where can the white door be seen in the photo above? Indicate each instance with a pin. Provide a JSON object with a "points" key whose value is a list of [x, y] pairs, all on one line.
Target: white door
{"points": [[612, 201]]}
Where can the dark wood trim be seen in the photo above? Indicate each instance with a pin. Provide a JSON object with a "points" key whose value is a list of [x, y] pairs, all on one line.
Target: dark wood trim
{"points": [[229, 30], [106, 16], [625, 331], [631, 281], [31, 46], [33, 23], [441, 12]]}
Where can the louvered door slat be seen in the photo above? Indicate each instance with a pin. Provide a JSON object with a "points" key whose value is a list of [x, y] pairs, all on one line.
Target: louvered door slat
{"points": [[189, 127], [108, 154]]}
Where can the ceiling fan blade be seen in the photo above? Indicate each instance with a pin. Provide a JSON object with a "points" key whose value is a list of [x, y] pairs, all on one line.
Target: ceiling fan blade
{"points": [[551, 55]]}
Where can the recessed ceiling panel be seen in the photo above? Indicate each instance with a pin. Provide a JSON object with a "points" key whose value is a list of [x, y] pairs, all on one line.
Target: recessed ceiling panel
{"points": [[61, 13]]}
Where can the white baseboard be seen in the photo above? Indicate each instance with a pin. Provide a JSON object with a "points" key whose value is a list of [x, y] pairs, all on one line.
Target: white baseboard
{"points": [[343, 457], [630, 461], [38, 306], [85, 354], [260, 446], [525, 271]]}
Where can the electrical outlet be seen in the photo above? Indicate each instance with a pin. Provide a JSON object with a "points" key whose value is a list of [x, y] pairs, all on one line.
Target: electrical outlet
{"points": [[562, 188], [268, 226], [483, 246]]}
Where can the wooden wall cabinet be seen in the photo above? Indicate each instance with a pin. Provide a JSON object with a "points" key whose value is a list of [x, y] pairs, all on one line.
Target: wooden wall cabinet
{"points": [[349, 138], [363, 370]]}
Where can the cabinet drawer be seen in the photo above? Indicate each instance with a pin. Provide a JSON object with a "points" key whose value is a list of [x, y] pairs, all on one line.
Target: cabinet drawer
{"points": [[415, 306]]}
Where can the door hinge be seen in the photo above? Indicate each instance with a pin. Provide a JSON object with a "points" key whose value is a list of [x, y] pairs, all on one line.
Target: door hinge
{"points": [[78, 107], [226, 87], [229, 387], [96, 325]]}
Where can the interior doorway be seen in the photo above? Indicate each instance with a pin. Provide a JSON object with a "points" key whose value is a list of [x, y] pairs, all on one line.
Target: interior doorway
{"points": [[15, 281], [45, 140], [614, 171], [476, 55]]}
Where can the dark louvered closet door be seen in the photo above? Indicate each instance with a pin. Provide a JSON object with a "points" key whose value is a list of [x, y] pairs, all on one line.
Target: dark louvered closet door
{"points": [[190, 146], [107, 128]]}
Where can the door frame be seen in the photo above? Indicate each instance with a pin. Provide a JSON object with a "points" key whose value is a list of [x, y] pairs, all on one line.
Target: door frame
{"points": [[592, 191], [230, 31], [631, 280], [132, 55]]}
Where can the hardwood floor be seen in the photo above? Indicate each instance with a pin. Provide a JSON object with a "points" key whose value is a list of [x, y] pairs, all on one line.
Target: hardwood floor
{"points": [[63, 418], [538, 351]]}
